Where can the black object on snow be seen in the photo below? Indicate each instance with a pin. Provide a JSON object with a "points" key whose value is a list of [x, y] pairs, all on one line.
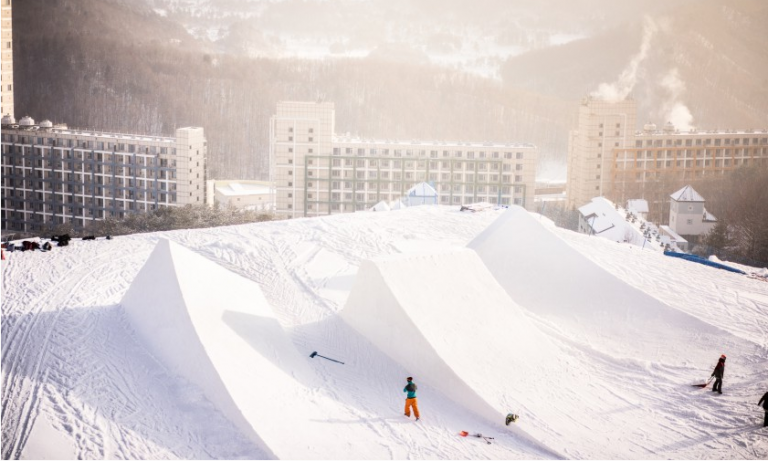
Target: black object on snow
{"points": [[312, 355]]}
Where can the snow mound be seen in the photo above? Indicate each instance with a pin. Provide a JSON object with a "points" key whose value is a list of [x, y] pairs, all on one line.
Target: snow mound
{"points": [[216, 329], [444, 317], [593, 305]]}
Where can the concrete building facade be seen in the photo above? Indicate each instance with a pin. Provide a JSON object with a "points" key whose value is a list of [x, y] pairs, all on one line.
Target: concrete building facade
{"points": [[318, 173], [54, 175], [6, 69], [608, 156]]}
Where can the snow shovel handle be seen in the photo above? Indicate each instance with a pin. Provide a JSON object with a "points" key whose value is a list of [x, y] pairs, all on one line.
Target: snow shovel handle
{"points": [[312, 355]]}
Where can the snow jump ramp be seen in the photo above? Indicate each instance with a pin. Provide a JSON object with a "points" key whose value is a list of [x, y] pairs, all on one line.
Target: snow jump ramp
{"points": [[216, 329], [551, 279], [444, 316]]}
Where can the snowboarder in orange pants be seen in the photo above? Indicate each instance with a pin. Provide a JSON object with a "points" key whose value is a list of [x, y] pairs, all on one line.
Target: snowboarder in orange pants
{"points": [[410, 401]]}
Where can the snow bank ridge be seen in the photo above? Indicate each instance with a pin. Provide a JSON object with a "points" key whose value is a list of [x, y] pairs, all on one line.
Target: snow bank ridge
{"points": [[216, 329], [459, 345], [526, 258]]}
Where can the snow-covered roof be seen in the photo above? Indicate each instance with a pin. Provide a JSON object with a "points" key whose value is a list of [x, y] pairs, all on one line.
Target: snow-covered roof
{"points": [[381, 206], [237, 188], [687, 194], [637, 205], [605, 221], [709, 216], [397, 205], [673, 235], [422, 189]]}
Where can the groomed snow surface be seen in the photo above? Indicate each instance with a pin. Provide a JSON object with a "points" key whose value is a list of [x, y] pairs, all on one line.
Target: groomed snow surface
{"points": [[197, 343]]}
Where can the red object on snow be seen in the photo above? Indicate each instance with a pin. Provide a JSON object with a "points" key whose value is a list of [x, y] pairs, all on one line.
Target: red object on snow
{"points": [[463, 433]]}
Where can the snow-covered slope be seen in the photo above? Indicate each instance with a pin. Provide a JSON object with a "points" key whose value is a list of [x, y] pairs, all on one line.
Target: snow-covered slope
{"points": [[84, 375]]}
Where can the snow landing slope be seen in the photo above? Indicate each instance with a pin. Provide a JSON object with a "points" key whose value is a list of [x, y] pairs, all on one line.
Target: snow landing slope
{"points": [[216, 329], [444, 317], [591, 304]]}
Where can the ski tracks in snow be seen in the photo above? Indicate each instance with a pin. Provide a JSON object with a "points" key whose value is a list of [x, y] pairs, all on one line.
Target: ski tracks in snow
{"points": [[77, 364]]}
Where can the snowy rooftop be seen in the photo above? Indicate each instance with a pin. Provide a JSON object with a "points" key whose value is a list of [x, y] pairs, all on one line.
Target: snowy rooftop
{"points": [[607, 222], [241, 189], [637, 206], [422, 189], [709, 216], [674, 235], [687, 194]]}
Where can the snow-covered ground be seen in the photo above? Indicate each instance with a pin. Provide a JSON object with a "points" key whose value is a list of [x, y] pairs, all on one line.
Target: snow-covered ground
{"points": [[197, 343]]}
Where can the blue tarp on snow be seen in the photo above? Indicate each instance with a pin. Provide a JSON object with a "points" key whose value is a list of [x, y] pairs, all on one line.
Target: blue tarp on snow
{"points": [[706, 262]]}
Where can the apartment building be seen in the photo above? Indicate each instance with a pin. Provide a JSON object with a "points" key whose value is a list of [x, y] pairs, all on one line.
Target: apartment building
{"points": [[6, 61], [317, 172], [54, 175], [608, 156]]}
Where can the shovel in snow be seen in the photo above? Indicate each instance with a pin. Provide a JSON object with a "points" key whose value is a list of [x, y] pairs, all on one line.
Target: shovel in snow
{"points": [[703, 385], [312, 355]]}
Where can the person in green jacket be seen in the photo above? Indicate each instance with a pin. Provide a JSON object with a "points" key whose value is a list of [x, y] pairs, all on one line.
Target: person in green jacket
{"points": [[410, 400]]}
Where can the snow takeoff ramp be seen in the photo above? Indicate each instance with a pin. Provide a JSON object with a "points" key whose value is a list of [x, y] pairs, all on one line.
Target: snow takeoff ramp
{"points": [[445, 317], [546, 276], [215, 328]]}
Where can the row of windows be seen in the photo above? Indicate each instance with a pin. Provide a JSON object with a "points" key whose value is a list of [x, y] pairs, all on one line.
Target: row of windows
{"points": [[419, 164], [98, 173], [419, 176], [701, 142], [67, 193], [87, 144], [681, 174], [629, 164], [744, 152], [80, 208], [14, 154], [423, 153]]}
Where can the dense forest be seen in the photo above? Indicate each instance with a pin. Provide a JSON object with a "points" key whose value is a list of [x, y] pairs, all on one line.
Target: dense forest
{"points": [[85, 70]]}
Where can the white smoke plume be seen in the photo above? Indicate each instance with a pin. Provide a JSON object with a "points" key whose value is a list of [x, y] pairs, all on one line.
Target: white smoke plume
{"points": [[619, 90], [673, 109]]}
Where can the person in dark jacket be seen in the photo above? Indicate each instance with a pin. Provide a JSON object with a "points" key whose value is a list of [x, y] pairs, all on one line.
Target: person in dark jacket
{"points": [[764, 402], [410, 400], [718, 374]]}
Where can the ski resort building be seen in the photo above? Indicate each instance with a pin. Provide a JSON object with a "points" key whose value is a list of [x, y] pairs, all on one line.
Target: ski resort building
{"points": [[55, 175], [317, 172], [6, 73], [608, 157], [687, 214]]}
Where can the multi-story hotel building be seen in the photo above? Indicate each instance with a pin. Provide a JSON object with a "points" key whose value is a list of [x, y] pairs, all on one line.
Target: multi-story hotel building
{"points": [[6, 71], [54, 175], [317, 172], [608, 157]]}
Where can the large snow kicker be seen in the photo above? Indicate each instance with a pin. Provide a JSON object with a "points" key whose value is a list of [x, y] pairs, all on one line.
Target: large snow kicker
{"points": [[445, 317], [216, 329], [592, 305]]}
